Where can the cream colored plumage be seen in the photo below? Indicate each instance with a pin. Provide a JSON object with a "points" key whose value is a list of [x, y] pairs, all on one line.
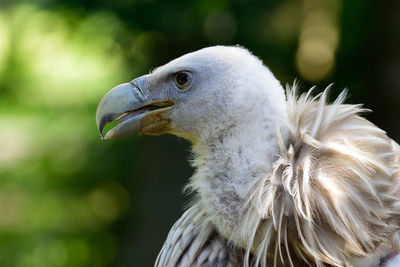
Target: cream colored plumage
{"points": [[279, 182], [331, 197]]}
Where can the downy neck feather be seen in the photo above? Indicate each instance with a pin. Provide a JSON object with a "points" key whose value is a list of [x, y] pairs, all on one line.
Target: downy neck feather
{"points": [[314, 185]]}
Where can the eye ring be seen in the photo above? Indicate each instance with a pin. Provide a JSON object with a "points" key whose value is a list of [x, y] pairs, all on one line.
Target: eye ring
{"points": [[183, 79]]}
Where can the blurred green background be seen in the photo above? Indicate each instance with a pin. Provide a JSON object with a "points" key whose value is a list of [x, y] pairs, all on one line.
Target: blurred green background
{"points": [[69, 199]]}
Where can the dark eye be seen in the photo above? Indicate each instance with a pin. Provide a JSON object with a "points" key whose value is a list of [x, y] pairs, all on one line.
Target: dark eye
{"points": [[183, 79]]}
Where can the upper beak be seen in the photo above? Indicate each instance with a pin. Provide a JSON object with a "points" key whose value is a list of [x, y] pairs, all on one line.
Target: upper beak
{"points": [[137, 113]]}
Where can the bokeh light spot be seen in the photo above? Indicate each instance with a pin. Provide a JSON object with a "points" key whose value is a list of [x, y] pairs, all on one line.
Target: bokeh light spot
{"points": [[318, 40], [4, 43], [314, 60], [109, 201]]}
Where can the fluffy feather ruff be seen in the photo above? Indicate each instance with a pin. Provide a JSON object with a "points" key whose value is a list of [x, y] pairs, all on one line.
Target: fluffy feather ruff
{"points": [[330, 198], [331, 194]]}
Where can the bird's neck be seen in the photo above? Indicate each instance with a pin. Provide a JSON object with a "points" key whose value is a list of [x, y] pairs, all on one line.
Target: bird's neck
{"points": [[229, 165]]}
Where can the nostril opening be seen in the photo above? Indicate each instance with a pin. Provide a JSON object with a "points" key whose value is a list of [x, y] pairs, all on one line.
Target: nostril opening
{"points": [[136, 89]]}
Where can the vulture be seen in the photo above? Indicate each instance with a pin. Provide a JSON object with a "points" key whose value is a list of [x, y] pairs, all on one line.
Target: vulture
{"points": [[281, 178]]}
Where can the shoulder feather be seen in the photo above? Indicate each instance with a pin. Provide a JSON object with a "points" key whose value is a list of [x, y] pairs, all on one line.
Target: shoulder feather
{"points": [[334, 186], [193, 241]]}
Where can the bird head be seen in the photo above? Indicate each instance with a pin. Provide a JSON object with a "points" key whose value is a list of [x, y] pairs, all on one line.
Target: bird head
{"points": [[195, 96]]}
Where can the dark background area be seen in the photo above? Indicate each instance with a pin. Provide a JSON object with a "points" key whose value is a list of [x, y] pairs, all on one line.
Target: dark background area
{"points": [[70, 199]]}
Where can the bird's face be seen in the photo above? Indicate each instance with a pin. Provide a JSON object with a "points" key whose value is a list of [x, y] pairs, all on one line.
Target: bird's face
{"points": [[191, 96]]}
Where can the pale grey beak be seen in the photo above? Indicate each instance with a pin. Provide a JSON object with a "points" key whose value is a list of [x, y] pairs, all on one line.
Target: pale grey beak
{"points": [[135, 111]]}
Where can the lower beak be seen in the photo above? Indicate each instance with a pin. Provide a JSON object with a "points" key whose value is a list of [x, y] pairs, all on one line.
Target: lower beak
{"points": [[135, 112]]}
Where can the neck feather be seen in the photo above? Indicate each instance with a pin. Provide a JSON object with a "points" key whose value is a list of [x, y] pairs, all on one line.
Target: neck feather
{"points": [[230, 164]]}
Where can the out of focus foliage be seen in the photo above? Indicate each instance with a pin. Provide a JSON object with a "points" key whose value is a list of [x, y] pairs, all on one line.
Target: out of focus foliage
{"points": [[69, 199]]}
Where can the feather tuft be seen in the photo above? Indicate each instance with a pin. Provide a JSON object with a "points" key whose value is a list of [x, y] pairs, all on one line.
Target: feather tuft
{"points": [[328, 196]]}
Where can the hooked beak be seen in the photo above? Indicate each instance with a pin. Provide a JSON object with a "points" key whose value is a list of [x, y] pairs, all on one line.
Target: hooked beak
{"points": [[136, 112]]}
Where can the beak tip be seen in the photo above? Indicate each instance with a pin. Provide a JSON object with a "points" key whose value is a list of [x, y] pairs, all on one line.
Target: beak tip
{"points": [[100, 128], [115, 103]]}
